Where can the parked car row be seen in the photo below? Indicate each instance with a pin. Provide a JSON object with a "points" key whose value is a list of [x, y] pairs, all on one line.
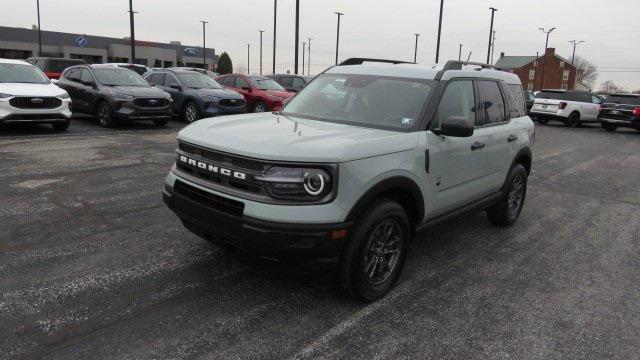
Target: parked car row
{"points": [[576, 107]]}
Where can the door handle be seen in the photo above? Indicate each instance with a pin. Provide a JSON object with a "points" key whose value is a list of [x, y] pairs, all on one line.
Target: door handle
{"points": [[477, 146], [512, 138]]}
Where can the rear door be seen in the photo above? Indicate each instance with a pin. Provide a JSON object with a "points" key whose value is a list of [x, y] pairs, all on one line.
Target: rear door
{"points": [[86, 92]]}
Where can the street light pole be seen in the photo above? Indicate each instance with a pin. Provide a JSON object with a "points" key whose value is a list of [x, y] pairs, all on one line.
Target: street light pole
{"points": [[415, 51], [460, 52], [309, 57], [133, 35], [493, 11], [338, 34], [575, 43], [260, 31], [204, 44], [275, 14], [304, 48], [39, 31], [544, 55], [248, 61], [439, 32], [297, 34], [493, 46]]}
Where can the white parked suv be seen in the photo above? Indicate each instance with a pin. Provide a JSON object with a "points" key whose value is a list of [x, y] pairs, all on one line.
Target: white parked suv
{"points": [[348, 176], [27, 95], [567, 106]]}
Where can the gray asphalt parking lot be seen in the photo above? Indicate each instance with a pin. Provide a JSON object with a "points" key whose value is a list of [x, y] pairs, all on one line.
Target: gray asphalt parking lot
{"points": [[93, 265]]}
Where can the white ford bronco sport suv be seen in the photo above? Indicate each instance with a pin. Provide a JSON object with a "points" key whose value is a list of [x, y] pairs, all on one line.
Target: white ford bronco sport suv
{"points": [[367, 154]]}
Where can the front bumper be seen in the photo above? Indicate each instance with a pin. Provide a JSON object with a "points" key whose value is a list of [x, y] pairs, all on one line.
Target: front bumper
{"points": [[217, 110], [10, 114], [209, 218], [127, 110], [622, 123]]}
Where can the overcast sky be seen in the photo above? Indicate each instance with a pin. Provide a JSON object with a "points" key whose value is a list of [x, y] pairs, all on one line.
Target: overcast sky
{"points": [[369, 28]]}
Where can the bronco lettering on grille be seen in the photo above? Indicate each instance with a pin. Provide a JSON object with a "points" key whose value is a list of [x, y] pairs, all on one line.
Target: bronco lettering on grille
{"points": [[212, 168]]}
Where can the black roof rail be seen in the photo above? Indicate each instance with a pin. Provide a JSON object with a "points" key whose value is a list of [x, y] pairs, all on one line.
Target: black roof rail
{"points": [[457, 65], [359, 61]]}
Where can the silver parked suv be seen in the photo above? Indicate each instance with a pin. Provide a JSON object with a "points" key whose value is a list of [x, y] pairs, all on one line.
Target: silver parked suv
{"points": [[367, 154]]}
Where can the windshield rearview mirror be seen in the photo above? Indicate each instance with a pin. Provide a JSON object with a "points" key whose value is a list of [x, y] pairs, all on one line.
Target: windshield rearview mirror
{"points": [[456, 126]]}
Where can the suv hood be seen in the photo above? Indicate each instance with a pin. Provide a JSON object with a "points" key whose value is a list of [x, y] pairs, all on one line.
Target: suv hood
{"points": [[24, 89], [275, 137], [221, 93], [141, 91]]}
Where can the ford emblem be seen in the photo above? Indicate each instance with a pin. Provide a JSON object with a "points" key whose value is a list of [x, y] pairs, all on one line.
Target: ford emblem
{"points": [[37, 100], [153, 101]]}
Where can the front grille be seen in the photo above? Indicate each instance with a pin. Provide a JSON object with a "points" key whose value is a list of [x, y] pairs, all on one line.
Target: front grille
{"points": [[151, 102], [231, 102], [220, 157], [34, 102], [228, 206]]}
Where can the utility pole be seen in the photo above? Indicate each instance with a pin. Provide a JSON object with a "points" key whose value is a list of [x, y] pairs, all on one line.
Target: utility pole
{"points": [[304, 48], [297, 34], [415, 51], [544, 55], [204, 45], [133, 35], [460, 52], [275, 14], [493, 11], [39, 31], [439, 32], [575, 43], [309, 57], [493, 44], [260, 31], [338, 34], [248, 65]]}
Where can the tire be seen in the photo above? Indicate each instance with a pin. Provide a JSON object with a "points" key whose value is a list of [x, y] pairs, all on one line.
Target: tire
{"points": [[572, 120], [371, 252], [191, 112], [607, 126], [61, 126], [506, 211], [258, 107], [105, 114], [160, 122]]}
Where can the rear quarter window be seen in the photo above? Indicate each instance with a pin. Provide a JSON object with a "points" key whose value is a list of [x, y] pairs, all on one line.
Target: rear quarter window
{"points": [[518, 97]]}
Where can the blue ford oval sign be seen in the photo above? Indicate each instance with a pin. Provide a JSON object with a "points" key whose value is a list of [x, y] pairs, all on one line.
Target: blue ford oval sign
{"points": [[191, 51]]}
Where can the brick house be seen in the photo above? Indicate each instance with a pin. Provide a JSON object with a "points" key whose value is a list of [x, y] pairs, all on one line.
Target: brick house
{"points": [[559, 73]]}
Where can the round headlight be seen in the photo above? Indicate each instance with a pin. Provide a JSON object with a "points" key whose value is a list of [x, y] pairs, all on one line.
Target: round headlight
{"points": [[314, 183]]}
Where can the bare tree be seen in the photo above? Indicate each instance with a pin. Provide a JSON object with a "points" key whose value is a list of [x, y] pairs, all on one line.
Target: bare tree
{"points": [[587, 71], [609, 87]]}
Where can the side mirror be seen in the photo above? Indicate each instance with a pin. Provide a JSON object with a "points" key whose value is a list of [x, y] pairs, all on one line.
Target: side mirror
{"points": [[246, 88], [292, 89], [87, 83], [151, 83], [456, 126], [175, 86]]}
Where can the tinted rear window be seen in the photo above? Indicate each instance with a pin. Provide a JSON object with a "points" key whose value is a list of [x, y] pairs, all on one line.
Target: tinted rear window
{"points": [[550, 95], [629, 100]]}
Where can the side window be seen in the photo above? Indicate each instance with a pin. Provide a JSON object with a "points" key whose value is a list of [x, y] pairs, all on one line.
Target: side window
{"points": [[229, 81], [170, 80], [72, 74], [518, 97], [241, 83], [457, 100], [491, 102], [286, 81], [158, 79], [596, 100], [86, 76], [298, 83]]}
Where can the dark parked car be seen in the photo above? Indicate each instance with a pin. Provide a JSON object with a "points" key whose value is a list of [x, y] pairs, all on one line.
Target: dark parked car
{"points": [[210, 74], [293, 83], [53, 67], [260, 92], [196, 95], [620, 110], [114, 93], [529, 98]]}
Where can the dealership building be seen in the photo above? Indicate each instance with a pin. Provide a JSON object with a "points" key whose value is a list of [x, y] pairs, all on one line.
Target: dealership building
{"points": [[21, 43]]}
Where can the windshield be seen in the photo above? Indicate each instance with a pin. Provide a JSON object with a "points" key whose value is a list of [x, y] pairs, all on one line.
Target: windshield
{"points": [[626, 100], [199, 81], [119, 77], [21, 73], [266, 84], [363, 100]]}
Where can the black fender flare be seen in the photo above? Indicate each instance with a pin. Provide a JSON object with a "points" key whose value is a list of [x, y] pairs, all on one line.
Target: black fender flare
{"points": [[396, 183]]}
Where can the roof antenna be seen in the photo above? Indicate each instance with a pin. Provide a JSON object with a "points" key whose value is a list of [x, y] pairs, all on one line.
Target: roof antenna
{"points": [[469, 57]]}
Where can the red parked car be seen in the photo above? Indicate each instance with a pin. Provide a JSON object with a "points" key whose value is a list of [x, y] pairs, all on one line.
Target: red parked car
{"points": [[260, 92], [53, 67]]}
